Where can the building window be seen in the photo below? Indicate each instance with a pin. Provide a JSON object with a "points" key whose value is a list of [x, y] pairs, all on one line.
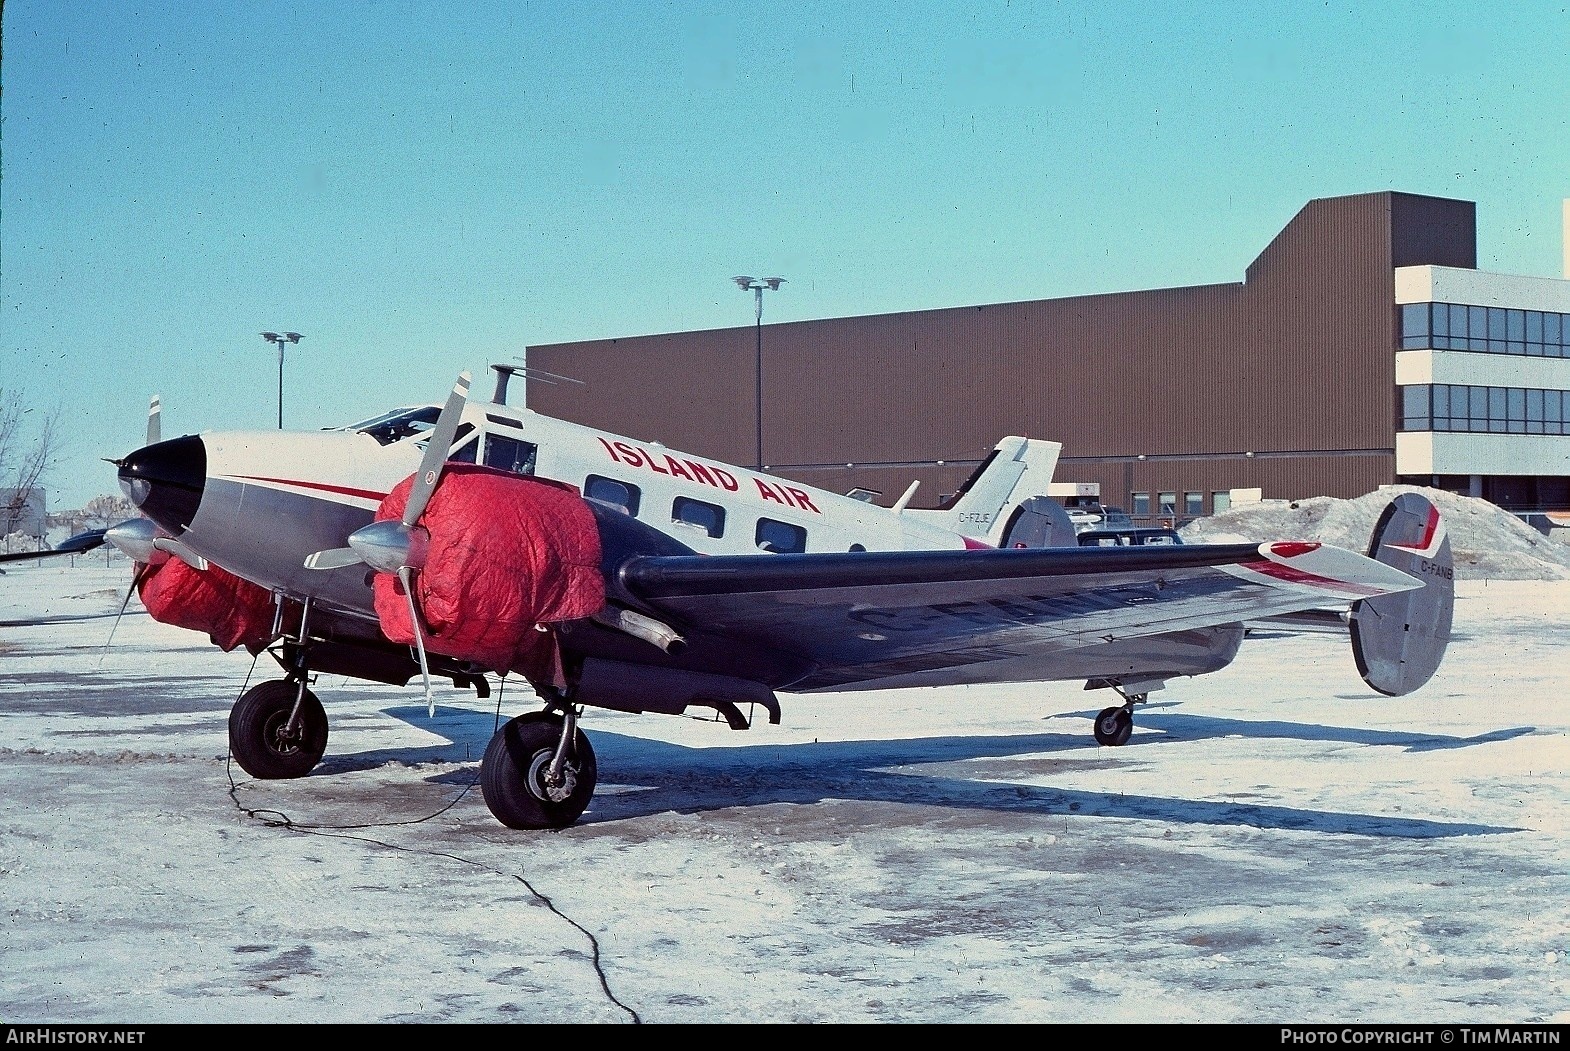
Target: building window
{"points": [[1166, 504], [1493, 330], [710, 518], [1415, 415], [1484, 410], [621, 495], [1459, 324], [1414, 326], [1140, 502], [1496, 330], [780, 537], [1193, 504], [1220, 500]]}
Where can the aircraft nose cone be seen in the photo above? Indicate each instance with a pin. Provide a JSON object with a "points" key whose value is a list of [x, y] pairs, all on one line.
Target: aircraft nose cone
{"points": [[165, 481]]}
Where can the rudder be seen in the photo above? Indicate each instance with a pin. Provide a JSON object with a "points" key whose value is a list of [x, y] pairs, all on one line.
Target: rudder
{"points": [[1399, 640]]}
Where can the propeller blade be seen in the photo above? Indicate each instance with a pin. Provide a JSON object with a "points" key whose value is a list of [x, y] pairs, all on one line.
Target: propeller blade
{"points": [[81, 542], [406, 575], [436, 451], [155, 411], [333, 558], [136, 578]]}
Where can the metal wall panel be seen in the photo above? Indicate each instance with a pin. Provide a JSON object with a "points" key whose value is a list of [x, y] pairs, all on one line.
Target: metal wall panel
{"points": [[1296, 358]]}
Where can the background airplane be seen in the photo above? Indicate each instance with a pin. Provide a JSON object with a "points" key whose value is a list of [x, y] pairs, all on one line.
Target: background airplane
{"points": [[467, 540]]}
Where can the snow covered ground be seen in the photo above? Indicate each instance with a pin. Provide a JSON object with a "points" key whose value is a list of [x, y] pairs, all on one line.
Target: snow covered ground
{"points": [[1488, 543], [1277, 843]]}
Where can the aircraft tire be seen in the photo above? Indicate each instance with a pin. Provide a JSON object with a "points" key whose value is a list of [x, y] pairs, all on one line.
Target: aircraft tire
{"points": [[1113, 726], [256, 738], [513, 770]]}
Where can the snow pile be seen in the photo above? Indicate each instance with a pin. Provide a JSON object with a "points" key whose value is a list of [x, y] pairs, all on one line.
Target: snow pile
{"points": [[1487, 541]]}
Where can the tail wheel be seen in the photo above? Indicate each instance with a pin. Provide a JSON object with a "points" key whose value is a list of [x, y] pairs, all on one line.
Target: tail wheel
{"points": [[1113, 726], [261, 739], [514, 774]]}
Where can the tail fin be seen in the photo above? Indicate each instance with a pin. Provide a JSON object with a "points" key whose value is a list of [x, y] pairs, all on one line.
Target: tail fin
{"points": [[1398, 640], [1016, 470]]}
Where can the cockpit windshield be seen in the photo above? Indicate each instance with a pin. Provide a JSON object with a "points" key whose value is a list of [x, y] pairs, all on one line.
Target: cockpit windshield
{"points": [[398, 424]]}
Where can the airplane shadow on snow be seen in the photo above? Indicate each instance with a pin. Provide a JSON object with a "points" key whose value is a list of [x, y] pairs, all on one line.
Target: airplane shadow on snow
{"points": [[640, 777]]}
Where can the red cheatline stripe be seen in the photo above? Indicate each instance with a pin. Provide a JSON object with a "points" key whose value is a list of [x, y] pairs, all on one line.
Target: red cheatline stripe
{"points": [[344, 490], [1298, 576], [972, 544]]}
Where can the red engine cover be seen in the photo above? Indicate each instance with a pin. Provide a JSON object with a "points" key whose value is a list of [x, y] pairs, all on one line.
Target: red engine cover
{"points": [[233, 612], [507, 554]]}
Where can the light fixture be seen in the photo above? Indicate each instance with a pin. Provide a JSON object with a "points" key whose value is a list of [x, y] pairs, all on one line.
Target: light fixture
{"points": [[756, 286], [281, 339]]}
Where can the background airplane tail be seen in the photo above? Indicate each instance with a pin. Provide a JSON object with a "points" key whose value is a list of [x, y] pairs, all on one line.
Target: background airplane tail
{"points": [[1017, 470]]}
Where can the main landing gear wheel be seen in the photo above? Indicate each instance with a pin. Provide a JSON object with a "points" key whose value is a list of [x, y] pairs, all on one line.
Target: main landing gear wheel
{"points": [[515, 773], [1114, 725], [261, 736]]}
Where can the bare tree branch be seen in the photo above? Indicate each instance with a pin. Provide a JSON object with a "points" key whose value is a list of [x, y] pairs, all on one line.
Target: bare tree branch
{"points": [[28, 449]]}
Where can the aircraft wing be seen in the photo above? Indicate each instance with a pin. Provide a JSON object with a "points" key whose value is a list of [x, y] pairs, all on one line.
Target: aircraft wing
{"points": [[935, 617]]}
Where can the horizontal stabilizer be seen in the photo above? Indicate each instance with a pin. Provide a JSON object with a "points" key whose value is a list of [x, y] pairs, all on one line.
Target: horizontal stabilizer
{"points": [[1398, 640]]}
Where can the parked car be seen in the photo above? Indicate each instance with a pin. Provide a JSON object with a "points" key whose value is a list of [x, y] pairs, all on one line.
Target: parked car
{"points": [[1128, 537], [1099, 516]]}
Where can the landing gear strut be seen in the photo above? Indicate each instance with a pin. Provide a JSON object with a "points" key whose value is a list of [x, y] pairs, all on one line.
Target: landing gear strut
{"points": [[278, 729], [539, 771], [1114, 725]]}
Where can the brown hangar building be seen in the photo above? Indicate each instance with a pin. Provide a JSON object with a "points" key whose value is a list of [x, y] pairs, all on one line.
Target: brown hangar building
{"points": [[1362, 347]]}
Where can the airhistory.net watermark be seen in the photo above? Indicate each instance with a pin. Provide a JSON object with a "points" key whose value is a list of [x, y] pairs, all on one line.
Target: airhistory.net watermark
{"points": [[43, 1034]]}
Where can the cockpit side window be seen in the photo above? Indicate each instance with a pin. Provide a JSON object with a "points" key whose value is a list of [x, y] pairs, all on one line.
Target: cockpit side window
{"points": [[509, 454], [464, 444]]}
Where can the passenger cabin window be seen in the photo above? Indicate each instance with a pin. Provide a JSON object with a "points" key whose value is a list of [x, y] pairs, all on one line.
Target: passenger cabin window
{"points": [[780, 537], [710, 518], [621, 495], [509, 454]]}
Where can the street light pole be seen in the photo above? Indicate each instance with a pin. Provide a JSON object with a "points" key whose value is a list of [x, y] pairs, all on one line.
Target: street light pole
{"points": [[757, 285], [281, 338]]}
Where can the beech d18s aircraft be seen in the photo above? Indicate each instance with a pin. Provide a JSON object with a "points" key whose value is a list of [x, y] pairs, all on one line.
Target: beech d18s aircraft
{"points": [[464, 540]]}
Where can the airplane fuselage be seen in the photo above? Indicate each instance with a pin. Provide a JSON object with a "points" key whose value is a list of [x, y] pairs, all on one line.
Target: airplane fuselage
{"points": [[307, 491]]}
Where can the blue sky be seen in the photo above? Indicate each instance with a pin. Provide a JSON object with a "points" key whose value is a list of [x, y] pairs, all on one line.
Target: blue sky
{"points": [[423, 188]]}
